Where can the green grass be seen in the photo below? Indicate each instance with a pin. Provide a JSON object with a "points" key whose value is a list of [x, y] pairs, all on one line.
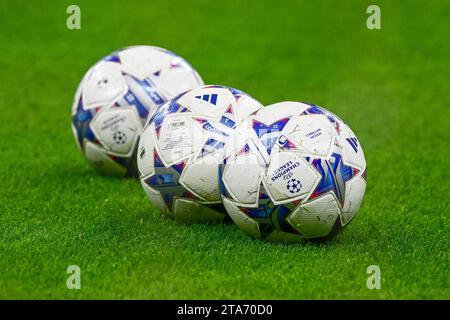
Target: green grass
{"points": [[390, 85]]}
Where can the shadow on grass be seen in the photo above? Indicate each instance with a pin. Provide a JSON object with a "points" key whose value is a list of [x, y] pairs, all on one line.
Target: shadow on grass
{"points": [[138, 218]]}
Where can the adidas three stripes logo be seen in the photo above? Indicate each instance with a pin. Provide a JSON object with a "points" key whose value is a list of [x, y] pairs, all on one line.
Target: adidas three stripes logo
{"points": [[353, 143], [211, 98]]}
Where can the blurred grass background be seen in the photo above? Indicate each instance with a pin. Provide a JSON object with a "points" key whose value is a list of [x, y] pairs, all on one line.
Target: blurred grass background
{"points": [[390, 85]]}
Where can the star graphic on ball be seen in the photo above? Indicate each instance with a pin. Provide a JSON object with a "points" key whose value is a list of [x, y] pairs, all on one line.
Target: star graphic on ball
{"points": [[294, 185]]}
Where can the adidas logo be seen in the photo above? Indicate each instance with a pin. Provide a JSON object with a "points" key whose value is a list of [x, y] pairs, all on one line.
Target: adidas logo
{"points": [[211, 98], [353, 143]]}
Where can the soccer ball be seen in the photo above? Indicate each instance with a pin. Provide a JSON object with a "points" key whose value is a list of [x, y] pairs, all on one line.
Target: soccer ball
{"points": [[181, 148], [116, 97], [292, 171]]}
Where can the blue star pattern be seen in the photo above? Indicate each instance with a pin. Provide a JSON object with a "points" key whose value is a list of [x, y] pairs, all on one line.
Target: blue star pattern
{"points": [[165, 180], [81, 121], [334, 175], [261, 129], [269, 216]]}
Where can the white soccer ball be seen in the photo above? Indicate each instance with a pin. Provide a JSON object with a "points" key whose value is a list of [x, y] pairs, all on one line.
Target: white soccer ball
{"points": [[116, 97], [181, 148], [292, 171]]}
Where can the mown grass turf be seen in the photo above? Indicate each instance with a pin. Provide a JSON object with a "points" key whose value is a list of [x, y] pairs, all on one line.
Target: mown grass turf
{"points": [[390, 86]]}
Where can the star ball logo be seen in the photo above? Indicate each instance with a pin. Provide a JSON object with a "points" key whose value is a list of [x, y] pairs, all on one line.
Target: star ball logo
{"points": [[294, 185], [119, 137]]}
